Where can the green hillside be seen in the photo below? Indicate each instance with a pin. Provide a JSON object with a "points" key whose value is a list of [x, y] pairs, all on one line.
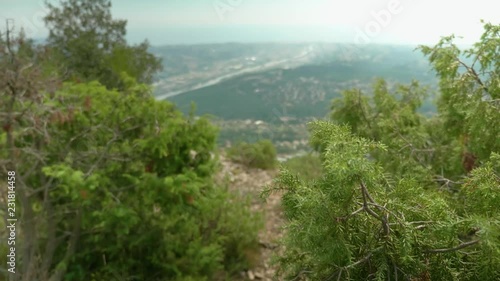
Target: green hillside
{"points": [[301, 92]]}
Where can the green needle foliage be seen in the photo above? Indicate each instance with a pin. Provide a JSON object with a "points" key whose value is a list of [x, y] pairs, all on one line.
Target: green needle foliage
{"points": [[402, 196]]}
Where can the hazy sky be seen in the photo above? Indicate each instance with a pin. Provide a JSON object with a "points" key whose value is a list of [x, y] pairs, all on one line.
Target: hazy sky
{"points": [[207, 21]]}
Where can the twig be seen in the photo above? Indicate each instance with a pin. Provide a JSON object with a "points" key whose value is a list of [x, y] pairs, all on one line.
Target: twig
{"points": [[383, 219], [300, 274], [447, 250], [362, 260], [475, 76]]}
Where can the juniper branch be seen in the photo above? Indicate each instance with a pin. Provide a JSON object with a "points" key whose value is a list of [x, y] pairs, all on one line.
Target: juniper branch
{"points": [[447, 250]]}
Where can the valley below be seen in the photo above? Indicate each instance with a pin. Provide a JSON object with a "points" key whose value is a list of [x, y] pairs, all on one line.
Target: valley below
{"points": [[272, 90]]}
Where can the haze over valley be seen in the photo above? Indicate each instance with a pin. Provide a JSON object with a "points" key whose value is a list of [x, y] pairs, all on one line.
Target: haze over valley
{"points": [[269, 90]]}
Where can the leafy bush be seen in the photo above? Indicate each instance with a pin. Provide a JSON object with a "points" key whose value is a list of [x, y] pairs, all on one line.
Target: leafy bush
{"points": [[121, 180], [261, 154], [107, 184]]}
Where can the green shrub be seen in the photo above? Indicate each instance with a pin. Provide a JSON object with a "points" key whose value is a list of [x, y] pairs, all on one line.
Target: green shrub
{"points": [[357, 221], [139, 203], [111, 183], [306, 166], [261, 154], [402, 196]]}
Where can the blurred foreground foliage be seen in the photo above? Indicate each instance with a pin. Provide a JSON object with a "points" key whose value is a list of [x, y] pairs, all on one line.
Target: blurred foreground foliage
{"points": [[110, 183]]}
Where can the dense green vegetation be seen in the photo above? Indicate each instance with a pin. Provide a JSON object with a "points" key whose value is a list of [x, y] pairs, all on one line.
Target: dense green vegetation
{"points": [[261, 154], [91, 45], [402, 196], [109, 183]]}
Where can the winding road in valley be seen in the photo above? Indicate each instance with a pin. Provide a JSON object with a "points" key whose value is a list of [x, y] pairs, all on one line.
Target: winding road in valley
{"points": [[265, 66]]}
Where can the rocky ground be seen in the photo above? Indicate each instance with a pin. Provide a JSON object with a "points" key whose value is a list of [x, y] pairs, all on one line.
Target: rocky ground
{"points": [[250, 182]]}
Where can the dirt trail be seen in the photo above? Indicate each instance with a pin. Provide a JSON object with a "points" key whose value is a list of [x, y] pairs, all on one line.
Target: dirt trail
{"points": [[250, 182]]}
